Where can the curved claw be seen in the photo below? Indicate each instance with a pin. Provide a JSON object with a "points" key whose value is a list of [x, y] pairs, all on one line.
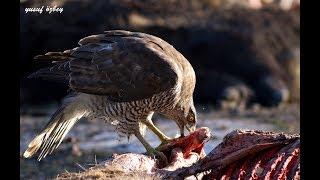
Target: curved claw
{"points": [[163, 159]]}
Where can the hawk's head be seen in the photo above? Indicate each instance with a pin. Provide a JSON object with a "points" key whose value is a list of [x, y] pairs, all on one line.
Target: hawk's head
{"points": [[185, 117], [191, 119]]}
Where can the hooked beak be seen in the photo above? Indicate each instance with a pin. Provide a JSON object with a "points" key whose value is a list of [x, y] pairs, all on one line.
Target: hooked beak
{"points": [[191, 128]]}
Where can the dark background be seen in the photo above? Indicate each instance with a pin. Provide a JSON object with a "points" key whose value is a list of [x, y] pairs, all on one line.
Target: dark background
{"points": [[242, 54]]}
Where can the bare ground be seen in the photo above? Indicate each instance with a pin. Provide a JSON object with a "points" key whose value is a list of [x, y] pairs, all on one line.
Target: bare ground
{"points": [[91, 142]]}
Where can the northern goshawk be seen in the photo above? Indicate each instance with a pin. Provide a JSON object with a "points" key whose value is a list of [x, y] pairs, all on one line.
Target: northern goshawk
{"points": [[122, 77]]}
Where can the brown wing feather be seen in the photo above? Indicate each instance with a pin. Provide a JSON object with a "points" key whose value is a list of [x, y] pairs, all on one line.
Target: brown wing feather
{"points": [[126, 66]]}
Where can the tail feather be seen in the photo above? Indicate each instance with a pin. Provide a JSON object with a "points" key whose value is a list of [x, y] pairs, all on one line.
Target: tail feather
{"points": [[58, 127], [34, 146], [54, 56], [59, 72]]}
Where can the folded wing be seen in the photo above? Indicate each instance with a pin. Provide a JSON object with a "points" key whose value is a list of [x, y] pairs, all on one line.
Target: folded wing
{"points": [[125, 66]]}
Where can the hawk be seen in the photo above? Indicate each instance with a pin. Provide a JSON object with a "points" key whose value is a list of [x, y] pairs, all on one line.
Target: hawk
{"points": [[121, 77]]}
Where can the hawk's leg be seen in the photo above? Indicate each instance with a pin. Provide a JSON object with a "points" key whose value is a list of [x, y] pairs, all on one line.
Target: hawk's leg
{"points": [[163, 138], [150, 149], [181, 128], [182, 131]]}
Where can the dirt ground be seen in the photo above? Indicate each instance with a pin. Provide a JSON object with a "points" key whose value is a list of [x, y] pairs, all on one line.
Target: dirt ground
{"points": [[91, 142]]}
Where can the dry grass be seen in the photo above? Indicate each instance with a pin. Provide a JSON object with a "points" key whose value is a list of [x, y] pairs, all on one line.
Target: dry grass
{"points": [[100, 172]]}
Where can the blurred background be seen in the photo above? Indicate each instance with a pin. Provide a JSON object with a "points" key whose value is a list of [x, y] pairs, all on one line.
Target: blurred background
{"points": [[246, 55]]}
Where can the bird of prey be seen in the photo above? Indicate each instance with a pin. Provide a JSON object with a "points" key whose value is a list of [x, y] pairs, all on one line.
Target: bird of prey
{"points": [[123, 78]]}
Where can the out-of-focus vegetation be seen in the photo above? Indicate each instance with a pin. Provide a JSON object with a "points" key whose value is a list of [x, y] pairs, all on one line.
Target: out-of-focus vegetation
{"points": [[242, 54]]}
